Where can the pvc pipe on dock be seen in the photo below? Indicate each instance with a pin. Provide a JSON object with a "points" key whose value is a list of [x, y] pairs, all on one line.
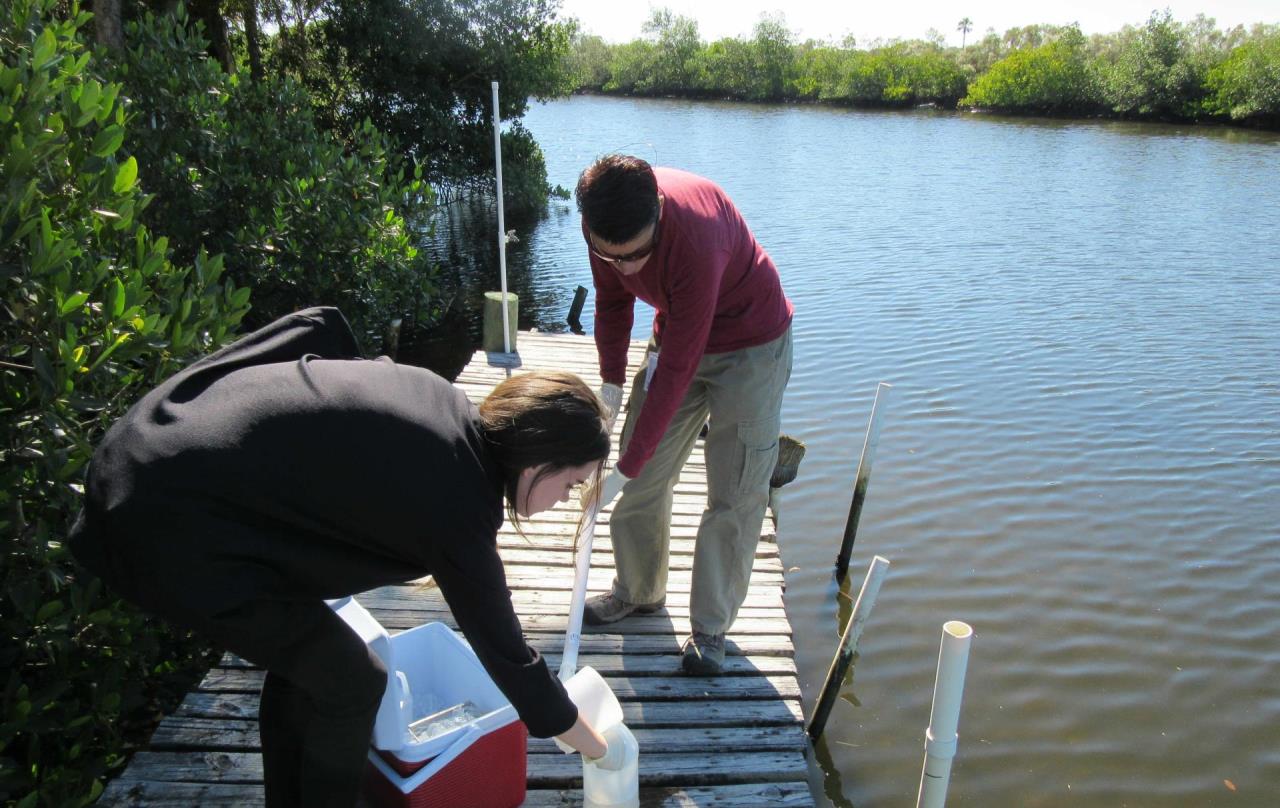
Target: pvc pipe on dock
{"points": [[848, 644], [940, 739], [862, 479], [577, 603], [502, 224]]}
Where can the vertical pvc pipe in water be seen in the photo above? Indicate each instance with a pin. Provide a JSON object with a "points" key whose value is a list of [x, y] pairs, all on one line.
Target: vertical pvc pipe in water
{"points": [[502, 224], [862, 480], [848, 644], [940, 738]]}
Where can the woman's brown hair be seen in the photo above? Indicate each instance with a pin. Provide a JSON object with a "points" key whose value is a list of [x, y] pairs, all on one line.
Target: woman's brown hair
{"points": [[547, 417]]}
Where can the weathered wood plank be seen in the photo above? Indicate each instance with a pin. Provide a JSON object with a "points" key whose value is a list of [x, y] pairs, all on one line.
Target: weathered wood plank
{"points": [[607, 644], [690, 713], [633, 688], [658, 623], [561, 771], [749, 795], [602, 559], [185, 733], [601, 579], [536, 600], [607, 665], [132, 793]]}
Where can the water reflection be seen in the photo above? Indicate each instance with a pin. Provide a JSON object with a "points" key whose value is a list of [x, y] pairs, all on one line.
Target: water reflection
{"points": [[464, 246]]}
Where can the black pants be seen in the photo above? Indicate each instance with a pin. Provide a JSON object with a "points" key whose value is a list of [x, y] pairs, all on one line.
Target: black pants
{"points": [[321, 695], [323, 685]]}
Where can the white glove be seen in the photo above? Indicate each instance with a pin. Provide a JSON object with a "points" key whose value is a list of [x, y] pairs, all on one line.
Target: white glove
{"points": [[615, 756], [611, 395], [609, 489]]}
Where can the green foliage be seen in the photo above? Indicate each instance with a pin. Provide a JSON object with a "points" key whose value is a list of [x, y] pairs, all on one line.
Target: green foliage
{"points": [[1054, 77], [95, 312], [420, 70], [898, 74], [1246, 85], [1162, 70], [676, 42], [769, 66], [630, 66], [1154, 72], [242, 169], [587, 63]]}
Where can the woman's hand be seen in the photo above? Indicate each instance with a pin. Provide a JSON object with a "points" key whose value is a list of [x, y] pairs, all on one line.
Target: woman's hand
{"points": [[582, 737], [616, 755]]}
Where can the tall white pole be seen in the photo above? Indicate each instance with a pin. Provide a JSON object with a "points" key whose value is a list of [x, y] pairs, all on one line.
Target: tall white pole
{"points": [[940, 738], [502, 224]]}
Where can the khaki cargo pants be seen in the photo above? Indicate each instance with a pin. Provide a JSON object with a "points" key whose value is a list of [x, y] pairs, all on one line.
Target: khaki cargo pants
{"points": [[740, 392]]}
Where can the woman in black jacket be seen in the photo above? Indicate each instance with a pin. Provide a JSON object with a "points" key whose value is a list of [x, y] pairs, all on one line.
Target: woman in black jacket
{"points": [[283, 470]]}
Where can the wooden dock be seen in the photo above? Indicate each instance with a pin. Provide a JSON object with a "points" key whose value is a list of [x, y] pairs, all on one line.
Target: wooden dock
{"points": [[732, 740]]}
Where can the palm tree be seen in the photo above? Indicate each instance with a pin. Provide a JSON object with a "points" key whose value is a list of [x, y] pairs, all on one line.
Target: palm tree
{"points": [[965, 26]]}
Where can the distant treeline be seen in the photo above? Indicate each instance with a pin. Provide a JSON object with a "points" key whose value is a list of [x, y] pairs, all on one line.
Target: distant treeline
{"points": [[1162, 70]]}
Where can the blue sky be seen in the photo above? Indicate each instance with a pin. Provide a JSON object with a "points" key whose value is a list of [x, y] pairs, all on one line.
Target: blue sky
{"points": [[620, 20]]}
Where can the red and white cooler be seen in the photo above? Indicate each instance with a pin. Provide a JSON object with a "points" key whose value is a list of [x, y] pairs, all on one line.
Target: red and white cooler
{"points": [[479, 763]]}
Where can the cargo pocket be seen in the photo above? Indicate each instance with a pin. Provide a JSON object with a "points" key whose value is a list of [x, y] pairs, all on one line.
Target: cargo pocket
{"points": [[759, 441]]}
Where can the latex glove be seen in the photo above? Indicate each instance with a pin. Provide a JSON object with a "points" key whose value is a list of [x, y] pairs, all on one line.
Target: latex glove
{"points": [[615, 756], [611, 395], [609, 488]]}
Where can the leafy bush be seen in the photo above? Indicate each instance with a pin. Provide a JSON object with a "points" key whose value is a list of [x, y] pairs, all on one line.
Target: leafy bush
{"points": [[897, 75], [95, 312], [241, 168], [1155, 72], [1246, 85], [1054, 77]]}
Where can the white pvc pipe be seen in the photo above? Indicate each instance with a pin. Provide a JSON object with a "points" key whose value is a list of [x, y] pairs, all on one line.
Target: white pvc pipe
{"points": [[502, 224], [582, 569], [940, 739], [848, 644]]}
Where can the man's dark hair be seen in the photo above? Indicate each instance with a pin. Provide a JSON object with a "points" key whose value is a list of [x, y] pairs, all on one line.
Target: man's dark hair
{"points": [[618, 197]]}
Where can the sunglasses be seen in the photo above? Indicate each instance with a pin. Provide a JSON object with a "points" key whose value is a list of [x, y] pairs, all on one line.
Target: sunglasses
{"points": [[631, 257]]}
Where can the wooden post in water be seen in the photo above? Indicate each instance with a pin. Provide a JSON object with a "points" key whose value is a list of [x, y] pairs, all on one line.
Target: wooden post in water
{"points": [[848, 644], [940, 738], [575, 311], [861, 481]]}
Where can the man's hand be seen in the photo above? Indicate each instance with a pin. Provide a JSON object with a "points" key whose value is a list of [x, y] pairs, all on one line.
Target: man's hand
{"points": [[608, 489], [611, 395]]}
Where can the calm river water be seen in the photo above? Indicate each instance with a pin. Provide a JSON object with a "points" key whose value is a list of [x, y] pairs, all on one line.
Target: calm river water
{"points": [[1081, 454]]}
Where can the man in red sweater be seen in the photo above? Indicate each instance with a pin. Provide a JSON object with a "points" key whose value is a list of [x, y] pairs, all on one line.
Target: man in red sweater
{"points": [[720, 354]]}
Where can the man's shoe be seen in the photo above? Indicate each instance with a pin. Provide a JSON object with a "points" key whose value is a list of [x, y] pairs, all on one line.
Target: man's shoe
{"points": [[703, 654], [609, 608]]}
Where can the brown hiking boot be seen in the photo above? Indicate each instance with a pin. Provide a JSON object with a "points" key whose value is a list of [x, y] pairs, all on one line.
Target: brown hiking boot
{"points": [[609, 608], [703, 654]]}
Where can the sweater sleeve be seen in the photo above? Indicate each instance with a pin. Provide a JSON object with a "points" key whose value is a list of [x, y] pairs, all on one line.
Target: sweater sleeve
{"points": [[615, 313], [471, 577], [694, 286]]}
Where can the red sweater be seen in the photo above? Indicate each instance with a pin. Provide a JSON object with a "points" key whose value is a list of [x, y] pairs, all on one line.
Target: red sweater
{"points": [[714, 289]]}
